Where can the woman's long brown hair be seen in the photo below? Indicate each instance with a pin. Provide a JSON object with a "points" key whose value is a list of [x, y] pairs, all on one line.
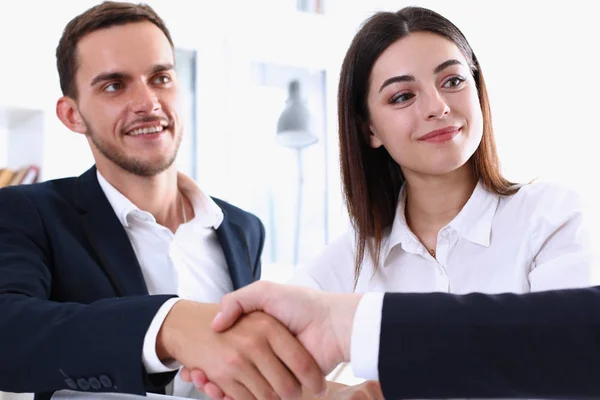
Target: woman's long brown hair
{"points": [[371, 178]]}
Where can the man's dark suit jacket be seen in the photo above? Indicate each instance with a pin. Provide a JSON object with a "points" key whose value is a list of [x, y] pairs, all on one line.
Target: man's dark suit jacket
{"points": [[74, 307], [536, 345]]}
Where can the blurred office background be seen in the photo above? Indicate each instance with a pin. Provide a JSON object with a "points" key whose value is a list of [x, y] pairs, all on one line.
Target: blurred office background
{"points": [[238, 61]]}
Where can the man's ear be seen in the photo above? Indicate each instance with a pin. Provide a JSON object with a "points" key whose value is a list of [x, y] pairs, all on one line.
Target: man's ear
{"points": [[68, 113]]}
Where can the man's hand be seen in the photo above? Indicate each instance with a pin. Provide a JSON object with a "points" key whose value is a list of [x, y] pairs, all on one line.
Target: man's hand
{"points": [[257, 358], [321, 321]]}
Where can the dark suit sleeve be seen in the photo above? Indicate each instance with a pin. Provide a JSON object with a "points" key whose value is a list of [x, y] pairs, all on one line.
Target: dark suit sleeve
{"points": [[261, 245], [47, 345], [537, 345]]}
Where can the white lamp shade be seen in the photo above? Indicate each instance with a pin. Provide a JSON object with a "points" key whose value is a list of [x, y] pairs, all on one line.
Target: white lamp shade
{"points": [[293, 126]]}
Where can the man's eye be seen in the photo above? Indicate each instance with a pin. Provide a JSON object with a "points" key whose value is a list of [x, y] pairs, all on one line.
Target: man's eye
{"points": [[162, 79], [113, 87]]}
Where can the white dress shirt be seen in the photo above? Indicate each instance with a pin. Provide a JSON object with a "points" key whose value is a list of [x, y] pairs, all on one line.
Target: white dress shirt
{"points": [[533, 240], [188, 263]]}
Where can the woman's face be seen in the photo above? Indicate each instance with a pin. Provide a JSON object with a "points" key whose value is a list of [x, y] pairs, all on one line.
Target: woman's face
{"points": [[423, 105]]}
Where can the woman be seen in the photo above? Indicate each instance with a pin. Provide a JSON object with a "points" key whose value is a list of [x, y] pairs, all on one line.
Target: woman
{"points": [[429, 206]]}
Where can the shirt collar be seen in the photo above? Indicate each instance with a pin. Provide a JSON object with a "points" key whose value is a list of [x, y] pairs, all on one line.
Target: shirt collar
{"points": [[473, 222], [206, 212], [121, 205], [400, 232]]}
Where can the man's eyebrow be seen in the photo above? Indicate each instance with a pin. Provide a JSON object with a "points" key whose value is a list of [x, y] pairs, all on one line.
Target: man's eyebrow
{"points": [[108, 76], [116, 75], [161, 68]]}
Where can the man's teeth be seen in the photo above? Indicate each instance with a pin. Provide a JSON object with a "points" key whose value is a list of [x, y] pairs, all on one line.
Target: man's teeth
{"points": [[145, 131]]}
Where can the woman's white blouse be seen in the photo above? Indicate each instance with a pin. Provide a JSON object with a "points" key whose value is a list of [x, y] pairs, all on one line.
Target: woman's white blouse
{"points": [[533, 240]]}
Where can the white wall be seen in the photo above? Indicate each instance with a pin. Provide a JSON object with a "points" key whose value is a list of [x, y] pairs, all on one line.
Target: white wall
{"points": [[3, 149], [23, 132]]}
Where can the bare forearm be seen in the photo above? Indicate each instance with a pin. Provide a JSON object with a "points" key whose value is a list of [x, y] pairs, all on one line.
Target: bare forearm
{"points": [[171, 338]]}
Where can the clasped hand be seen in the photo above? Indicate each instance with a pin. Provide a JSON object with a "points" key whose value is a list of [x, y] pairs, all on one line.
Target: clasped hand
{"points": [[321, 322], [256, 358]]}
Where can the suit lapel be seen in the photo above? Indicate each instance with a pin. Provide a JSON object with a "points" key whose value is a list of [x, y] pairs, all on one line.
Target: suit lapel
{"points": [[237, 254], [108, 237]]}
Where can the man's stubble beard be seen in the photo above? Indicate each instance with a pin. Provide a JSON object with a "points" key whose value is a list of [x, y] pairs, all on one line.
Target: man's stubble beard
{"points": [[130, 164]]}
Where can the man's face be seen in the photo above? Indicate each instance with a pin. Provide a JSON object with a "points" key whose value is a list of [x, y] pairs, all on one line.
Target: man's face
{"points": [[128, 98]]}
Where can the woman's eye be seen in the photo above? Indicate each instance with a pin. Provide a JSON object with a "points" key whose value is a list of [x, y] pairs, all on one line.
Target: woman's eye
{"points": [[401, 98], [454, 82]]}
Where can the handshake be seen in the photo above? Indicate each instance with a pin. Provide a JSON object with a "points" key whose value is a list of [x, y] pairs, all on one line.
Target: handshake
{"points": [[267, 341]]}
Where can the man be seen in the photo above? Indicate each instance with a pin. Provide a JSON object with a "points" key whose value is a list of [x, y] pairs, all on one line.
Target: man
{"points": [[91, 267], [535, 345]]}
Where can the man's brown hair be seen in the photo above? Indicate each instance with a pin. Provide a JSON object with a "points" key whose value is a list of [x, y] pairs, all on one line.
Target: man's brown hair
{"points": [[104, 15]]}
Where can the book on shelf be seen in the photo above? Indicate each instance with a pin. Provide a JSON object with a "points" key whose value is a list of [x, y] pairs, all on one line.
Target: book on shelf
{"points": [[22, 176]]}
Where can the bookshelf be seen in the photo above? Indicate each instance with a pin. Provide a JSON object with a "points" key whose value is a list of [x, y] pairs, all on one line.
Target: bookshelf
{"points": [[21, 144]]}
